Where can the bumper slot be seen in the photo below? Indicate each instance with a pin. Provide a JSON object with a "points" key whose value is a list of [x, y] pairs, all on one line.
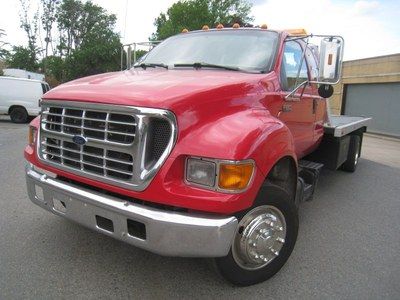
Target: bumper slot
{"points": [[136, 229], [104, 223], [160, 231]]}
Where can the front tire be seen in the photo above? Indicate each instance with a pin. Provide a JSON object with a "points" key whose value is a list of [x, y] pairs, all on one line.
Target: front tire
{"points": [[264, 239], [19, 115]]}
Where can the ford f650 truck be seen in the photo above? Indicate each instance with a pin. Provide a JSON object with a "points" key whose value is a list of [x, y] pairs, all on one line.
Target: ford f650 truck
{"points": [[204, 148]]}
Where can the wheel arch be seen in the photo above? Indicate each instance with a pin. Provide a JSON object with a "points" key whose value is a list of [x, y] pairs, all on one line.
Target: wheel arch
{"points": [[284, 175]]}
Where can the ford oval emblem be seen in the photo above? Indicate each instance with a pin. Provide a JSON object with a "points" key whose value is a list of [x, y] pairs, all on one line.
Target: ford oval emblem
{"points": [[79, 140]]}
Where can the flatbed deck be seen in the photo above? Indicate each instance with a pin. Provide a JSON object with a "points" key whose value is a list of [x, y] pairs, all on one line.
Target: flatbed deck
{"points": [[342, 125]]}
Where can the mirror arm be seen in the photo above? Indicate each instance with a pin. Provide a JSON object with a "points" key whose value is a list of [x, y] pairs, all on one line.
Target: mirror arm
{"points": [[303, 84]]}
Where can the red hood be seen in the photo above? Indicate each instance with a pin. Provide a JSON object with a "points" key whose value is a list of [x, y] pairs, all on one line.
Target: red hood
{"points": [[159, 88]]}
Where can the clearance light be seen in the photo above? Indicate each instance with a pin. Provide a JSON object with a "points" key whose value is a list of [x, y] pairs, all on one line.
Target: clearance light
{"points": [[264, 26], [184, 30], [236, 26], [296, 32], [31, 135], [220, 26], [235, 176], [205, 27]]}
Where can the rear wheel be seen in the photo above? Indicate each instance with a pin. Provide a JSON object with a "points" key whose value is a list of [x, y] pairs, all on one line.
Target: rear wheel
{"points": [[353, 155], [19, 115], [264, 240]]}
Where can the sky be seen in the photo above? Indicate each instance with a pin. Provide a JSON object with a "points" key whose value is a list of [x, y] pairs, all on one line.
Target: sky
{"points": [[369, 27]]}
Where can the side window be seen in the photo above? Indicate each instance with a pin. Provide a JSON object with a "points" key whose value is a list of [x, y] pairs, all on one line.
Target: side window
{"points": [[291, 61], [43, 88]]}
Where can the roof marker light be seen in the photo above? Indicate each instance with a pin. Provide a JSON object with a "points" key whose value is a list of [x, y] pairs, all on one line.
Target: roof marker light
{"points": [[184, 30], [220, 26], [264, 26], [297, 32], [236, 26], [205, 27]]}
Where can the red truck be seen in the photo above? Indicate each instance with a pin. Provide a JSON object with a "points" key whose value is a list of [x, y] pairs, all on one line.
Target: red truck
{"points": [[204, 148]]}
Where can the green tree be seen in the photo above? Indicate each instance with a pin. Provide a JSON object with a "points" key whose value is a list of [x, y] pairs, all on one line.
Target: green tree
{"points": [[48, 18], [98, 53], [193, 14], [21, 58], [87, 39], [3, 51], [79, 40], [30, 24]]}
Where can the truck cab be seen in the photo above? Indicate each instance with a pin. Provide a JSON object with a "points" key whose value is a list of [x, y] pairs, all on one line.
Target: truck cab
{"points": [[204, 148]]}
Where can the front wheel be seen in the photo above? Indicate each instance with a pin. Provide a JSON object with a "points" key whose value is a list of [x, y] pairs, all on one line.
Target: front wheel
{"points": [[264, 240]]}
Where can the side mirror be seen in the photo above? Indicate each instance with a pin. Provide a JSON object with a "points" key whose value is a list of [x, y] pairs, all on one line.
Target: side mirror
{"points": [[330, 66], [325, 90]]}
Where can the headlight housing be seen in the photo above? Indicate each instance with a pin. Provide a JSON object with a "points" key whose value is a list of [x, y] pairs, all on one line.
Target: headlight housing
{"points": [[201, 172], [221, 175]]}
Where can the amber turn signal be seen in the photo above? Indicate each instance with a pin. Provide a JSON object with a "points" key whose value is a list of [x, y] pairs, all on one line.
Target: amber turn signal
{"points": [[31, 135], [235, 176]]}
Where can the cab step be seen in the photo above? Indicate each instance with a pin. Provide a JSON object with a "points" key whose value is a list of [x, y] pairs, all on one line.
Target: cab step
{"points": [[307, 180]]}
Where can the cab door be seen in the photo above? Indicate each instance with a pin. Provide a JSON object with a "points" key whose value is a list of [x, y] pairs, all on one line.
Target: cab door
{"points": [[297, 111], [319, 103]]}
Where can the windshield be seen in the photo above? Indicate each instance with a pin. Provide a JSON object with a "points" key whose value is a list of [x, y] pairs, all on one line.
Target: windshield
{"points": [[247, 50]]}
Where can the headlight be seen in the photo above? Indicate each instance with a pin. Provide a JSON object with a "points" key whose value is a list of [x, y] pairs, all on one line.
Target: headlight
{"points": [[200, 171], [222, 175], [32, 135]]}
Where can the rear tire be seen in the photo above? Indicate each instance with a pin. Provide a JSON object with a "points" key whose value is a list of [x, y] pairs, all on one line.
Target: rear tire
{"points": [[350, 165], [264, 239], [19, 115]]}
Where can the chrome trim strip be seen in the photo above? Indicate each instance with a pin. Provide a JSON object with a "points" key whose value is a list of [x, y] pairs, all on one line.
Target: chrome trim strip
{"points": [[142, 174], [167, 232]]}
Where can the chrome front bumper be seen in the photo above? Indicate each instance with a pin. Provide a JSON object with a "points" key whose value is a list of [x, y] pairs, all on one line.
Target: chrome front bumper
{"points": [[165, 232]]}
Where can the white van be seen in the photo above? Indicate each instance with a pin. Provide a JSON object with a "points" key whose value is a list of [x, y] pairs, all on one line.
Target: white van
{"points": [[19, 97]]}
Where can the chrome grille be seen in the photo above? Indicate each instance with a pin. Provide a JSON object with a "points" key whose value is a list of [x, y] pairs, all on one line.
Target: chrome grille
{"points": [[121, 145], [90, 159], [99, 125]]}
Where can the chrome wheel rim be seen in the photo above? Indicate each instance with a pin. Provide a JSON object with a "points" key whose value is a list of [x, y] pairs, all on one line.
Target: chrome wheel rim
{"points": [[356, 158], [260, 237]]}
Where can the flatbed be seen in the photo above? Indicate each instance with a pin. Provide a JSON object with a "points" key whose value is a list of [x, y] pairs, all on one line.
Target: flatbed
{"points": [[341, 125]]}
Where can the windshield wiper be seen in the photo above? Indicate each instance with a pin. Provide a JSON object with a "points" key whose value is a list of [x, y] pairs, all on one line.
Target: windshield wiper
{"points": [[198, 65], [151, 65]]}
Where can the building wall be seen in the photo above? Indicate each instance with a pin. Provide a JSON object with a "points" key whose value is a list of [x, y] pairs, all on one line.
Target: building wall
{"points": [[380, 69]]}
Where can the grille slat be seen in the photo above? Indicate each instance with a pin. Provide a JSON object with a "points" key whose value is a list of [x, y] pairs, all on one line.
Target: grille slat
{"points": [[93, 129], [89, 119], [86, 154], [85, 162], [115, 144]]}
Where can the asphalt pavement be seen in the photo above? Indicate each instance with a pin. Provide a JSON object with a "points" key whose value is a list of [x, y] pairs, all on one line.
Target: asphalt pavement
{"points": [[348, 245]]}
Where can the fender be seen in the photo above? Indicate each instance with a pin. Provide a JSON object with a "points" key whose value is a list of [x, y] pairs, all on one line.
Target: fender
{"points": [[242, 134]]}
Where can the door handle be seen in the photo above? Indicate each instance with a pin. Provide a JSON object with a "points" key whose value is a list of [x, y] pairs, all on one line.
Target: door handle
{"points": [[286, 108], [314, 105]]}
